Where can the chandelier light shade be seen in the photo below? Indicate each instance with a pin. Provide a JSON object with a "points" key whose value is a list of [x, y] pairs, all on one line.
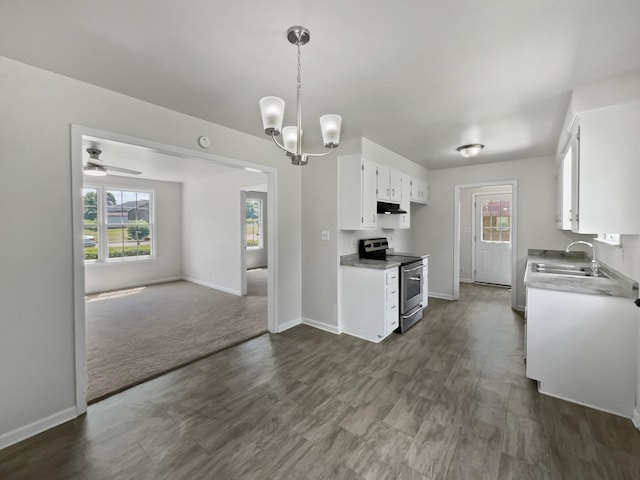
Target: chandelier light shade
{"points": [[290, 138], [272, 110], [470, 150]]}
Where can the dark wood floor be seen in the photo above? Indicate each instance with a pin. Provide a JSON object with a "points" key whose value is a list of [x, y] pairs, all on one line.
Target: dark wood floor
{"points": [[448, 399]]}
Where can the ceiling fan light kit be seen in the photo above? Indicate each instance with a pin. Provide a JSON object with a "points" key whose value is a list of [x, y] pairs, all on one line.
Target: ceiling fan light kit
{"points": [[470, 150], [272, 111]]}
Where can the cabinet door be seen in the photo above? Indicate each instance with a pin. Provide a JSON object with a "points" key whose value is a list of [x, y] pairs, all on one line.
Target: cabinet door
{"points": [[392, 314], [384, 190], [608, 169], [395, 186], [405, 201], [418, 190], [369, 203]]}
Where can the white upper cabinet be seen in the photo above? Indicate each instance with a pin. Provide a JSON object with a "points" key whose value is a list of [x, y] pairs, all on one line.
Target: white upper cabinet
{"points": [[401, 220], [563, 199], [606, 169], [405, 201], [383, 182], [418, 190], [357, 184], [395, 186]]}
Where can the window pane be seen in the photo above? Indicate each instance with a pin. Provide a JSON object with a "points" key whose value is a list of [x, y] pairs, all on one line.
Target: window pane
{"points": [[486, 221], [486, 234], [505, 207], [90, 223], [506, 235], [254, 223]]}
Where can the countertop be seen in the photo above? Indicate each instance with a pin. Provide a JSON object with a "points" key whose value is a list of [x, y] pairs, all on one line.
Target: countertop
{"points": [[617, 286], [354, 260]]}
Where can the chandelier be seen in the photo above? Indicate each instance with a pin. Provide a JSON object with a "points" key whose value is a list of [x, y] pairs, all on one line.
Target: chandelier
{"points": [[272, 110]]}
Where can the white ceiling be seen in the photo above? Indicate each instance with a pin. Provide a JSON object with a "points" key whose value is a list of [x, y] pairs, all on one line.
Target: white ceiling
{"points": [[153, 164], [418, 77]]}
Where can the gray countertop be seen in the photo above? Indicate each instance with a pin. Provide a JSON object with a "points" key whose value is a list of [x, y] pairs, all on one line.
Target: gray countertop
{"points": [[616, 286], [354, 260]]}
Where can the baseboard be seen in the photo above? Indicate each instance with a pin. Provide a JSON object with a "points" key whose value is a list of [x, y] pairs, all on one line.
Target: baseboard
{"points": [[466, 280], [39, 426], [321, 325], [441, 296], [519, 308], [138, 284], [288, 325], [585, 404], [636, 418], [212, 285]]}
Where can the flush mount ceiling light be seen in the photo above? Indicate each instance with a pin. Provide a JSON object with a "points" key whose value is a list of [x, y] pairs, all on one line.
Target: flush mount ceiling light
{"points": [[272, 110], [470, 150]]}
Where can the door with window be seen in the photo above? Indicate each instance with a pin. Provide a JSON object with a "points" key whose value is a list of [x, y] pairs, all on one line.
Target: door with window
{"points": [[493, 239]]}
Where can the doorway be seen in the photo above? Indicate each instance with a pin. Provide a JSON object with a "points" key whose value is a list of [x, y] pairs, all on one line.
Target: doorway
{"points": [[254, 219], [492, 239], [78, 134], [465, 228]]}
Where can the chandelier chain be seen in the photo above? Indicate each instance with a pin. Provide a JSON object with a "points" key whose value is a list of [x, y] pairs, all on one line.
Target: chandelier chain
{"points": [[299, 85]]}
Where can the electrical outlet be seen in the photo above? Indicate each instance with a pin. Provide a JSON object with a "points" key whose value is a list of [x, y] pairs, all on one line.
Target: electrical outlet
{"points": [[353, 243], [326, 235]]}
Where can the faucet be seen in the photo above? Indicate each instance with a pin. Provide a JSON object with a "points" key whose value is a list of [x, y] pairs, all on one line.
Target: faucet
{"points": [[594, 262]]}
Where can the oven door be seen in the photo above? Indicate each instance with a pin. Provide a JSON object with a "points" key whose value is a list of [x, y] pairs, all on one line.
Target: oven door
{"points": [[410, 286]]}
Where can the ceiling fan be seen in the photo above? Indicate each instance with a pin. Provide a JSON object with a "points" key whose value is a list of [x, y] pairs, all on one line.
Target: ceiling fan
{"points": [[97, 168]]}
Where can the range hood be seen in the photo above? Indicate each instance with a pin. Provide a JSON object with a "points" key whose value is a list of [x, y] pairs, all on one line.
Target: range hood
{"points": [[390, 208]]}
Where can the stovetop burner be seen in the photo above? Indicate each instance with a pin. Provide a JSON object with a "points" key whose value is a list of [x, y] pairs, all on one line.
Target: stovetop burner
{"points": [[376, 249]]}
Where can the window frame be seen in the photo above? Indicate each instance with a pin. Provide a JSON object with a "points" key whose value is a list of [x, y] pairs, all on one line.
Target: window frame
{"points": [[260, 245], [102, 223]]}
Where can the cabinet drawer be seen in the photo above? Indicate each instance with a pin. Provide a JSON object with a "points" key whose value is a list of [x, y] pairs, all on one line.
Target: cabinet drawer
{"points": [[392, 318]]}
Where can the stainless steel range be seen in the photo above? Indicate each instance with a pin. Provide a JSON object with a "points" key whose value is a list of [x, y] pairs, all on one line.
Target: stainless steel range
{"points": [[411, 281]]}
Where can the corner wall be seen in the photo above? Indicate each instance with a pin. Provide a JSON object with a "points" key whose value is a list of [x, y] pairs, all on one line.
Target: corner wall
{"points": [[212, 230], [37, 351], [536, 216]]}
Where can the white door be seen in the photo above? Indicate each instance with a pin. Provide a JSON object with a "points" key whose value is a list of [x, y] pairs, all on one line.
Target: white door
{"points": [[493, 239]]}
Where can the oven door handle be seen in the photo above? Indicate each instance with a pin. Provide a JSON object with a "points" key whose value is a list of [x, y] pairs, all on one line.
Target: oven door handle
{"points": [[417, 279], [404, 317], [413, 269]]}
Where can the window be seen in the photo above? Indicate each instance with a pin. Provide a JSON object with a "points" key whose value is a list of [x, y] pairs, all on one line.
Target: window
{"points": [[254, 224], [496, 221], [118, 224]]}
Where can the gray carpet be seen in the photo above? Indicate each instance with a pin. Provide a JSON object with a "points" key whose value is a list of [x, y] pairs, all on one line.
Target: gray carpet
{"points": [[139, 333]]}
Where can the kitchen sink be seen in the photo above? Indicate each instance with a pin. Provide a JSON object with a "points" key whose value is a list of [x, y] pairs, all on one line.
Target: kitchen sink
{"points": [[569, 270]]}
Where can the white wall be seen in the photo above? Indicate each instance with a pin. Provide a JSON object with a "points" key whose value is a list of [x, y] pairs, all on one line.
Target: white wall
{"points": [[37, 371], [257, 257], [167, 265], [212, 240], [467, 217], [536, 216]]}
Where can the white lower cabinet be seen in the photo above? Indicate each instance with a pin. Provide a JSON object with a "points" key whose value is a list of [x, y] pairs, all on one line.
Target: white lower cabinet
{"points": [[583, 348], [369, 302]]}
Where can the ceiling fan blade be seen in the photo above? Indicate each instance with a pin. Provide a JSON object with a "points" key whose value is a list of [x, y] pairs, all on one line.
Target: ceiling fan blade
{"points": [[122, 170]]}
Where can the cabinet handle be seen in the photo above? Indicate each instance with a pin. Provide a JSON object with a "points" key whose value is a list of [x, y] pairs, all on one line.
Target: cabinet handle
{"points": [[570, 215]]}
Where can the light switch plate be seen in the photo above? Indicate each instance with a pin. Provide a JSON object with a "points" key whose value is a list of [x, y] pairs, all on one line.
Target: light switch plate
{"points": [[325, 235]]}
